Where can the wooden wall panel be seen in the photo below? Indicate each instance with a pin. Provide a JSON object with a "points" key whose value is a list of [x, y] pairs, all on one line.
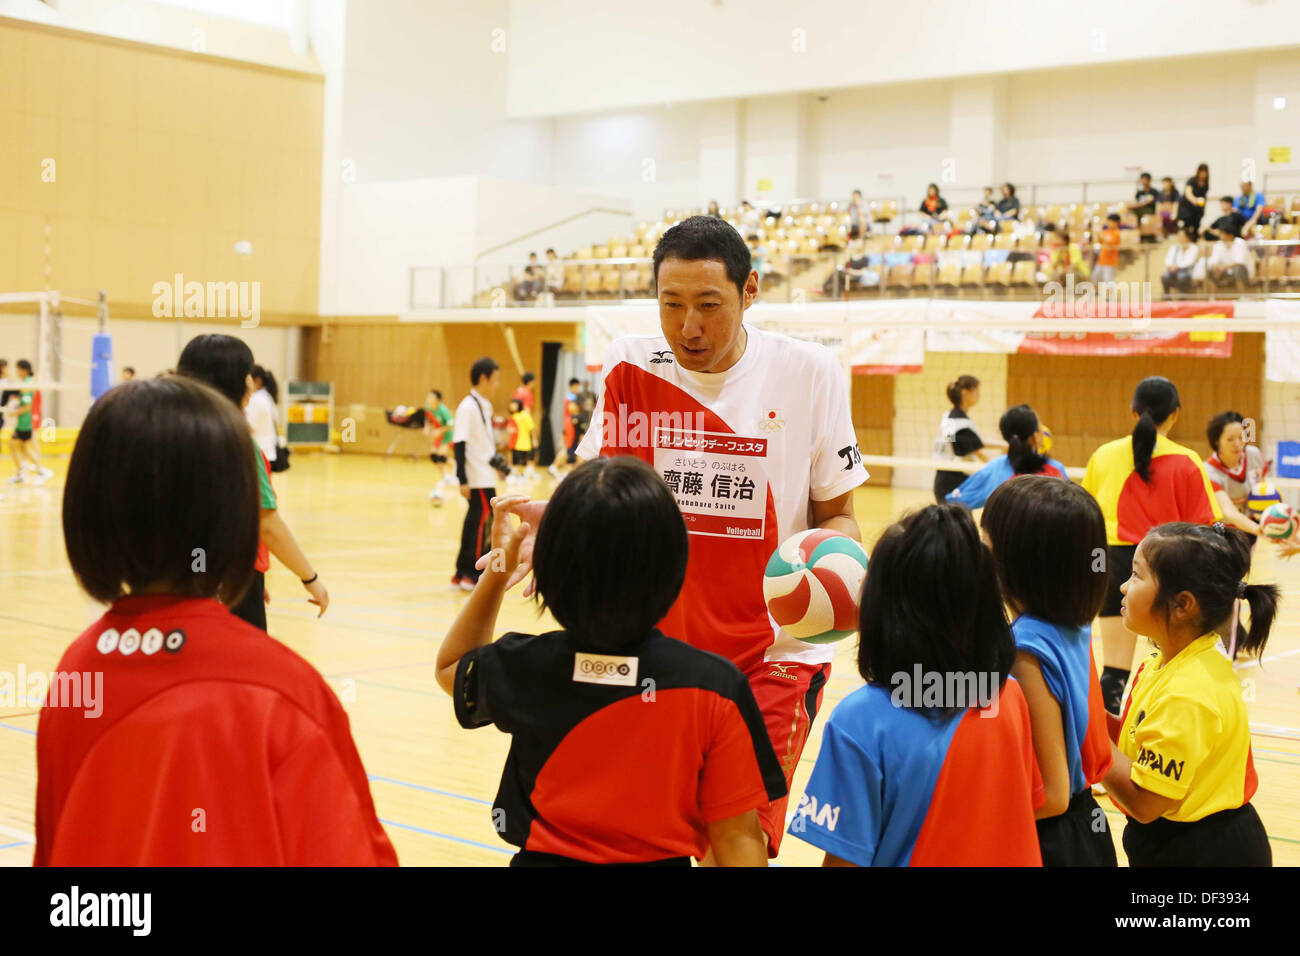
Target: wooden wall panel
{"points": [[1085, 400], [384, 364], [872, 401], [162, 161]]}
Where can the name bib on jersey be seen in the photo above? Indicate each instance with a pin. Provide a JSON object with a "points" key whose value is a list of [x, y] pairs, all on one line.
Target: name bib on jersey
{"points": [[718, 480]]}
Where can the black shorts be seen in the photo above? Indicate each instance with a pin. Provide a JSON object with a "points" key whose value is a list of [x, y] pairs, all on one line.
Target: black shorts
{"points": [[1227, 838], [1078, 837], [437, 459], [1119, 562], [519, 457], [22, 434]]}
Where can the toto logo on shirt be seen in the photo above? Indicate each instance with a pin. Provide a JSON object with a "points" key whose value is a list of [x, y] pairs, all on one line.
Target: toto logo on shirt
{"points": [[605, 669], [149, 643]]}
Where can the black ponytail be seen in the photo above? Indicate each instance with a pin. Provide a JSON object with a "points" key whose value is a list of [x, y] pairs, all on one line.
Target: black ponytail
{"points": [[1154, 400], [1211, 563], [962, 384], [1018, 424]]}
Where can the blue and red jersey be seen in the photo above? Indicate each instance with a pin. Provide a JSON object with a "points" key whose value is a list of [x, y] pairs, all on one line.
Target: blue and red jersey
{"points": [[975, 490], [898, 786]]}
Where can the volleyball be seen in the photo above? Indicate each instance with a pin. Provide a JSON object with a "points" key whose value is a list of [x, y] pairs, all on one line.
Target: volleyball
{"points": [[813, 584], [1261, 496], [1277, 521]]}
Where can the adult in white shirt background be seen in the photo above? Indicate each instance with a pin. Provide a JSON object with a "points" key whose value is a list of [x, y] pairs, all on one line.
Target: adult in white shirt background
{"points": [[261, 412], [1231, 261], [1180, 263], [474, 447]]}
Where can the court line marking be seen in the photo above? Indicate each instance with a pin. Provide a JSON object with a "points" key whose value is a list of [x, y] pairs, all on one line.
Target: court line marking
{"points": [[417, 786], [447, 836], [21, 730], [10, 846], [17, 834]]}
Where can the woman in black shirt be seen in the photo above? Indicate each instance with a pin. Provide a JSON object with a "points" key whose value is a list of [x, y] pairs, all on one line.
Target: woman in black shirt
{"points": [[1191, 207], [957, 435]]}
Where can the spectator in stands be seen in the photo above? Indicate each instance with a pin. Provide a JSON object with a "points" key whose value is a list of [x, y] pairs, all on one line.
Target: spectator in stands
{"points": [[554, 272], [1227, 221], [1191, 206], [1144, 202], [1066, 258], [531, 284], [755, 256], [1008, 206], [128, 373], [750, 220], [1167, 205], [1108, 256], [857, 219], [1230, 258], [934, 207], [1180, 261], [986, 214], [713, 208], [1249, 207]]}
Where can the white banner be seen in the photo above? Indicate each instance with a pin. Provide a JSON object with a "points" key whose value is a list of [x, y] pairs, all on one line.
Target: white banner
{"points": [[1282, 347]]}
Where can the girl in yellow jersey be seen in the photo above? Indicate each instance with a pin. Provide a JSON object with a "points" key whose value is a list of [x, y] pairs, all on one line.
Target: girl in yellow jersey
{"points": [[1140, 481], [1183, 771]]}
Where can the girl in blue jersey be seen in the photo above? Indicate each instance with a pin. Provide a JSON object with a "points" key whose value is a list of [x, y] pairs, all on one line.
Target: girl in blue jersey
{"points": [[1048, 539], [1024, 436], [931, 763]]}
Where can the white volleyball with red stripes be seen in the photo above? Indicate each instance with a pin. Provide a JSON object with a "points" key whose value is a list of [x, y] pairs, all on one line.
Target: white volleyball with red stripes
{"points": [[813, 584]]}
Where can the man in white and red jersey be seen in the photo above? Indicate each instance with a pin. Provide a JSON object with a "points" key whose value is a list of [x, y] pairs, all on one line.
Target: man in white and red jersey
{"points": [[752, 433]]}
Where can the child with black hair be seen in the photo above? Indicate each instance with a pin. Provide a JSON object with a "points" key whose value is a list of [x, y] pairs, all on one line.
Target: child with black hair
{"points": [[1140, 481], [1045, 536], [931, 763], [1025, 437], [1183, 770], [627, 746], [211, 744]]}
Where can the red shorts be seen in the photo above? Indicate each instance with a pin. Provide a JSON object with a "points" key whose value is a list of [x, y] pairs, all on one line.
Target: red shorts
{"points": [[788, 694]]}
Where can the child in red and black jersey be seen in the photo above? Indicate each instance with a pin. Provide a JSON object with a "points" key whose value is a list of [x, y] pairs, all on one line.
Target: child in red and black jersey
{"points": [[207, 743], [628, 746]]}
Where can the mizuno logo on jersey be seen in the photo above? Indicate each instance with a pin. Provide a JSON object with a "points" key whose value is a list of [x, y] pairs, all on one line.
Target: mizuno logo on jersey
{"points": [[661, 358]]}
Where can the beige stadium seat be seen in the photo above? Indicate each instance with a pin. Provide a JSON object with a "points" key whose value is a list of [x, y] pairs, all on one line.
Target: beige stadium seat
{"points": [[1024, 273], [637, 252], [1004, 240], [1293, 269], [999, 274], [1129, 239], [1052, 214], [1006, 225], [592, 282], [1274, 269], [972, 275], [880, 244], [949, 274], [600, 252], [643, 277], [1028, 243], [618, 252], [935, 242], [1288, 230], [586, 252], [911, 243], [981, 241], [610, 278], [572, 280], [900, 275], [922, 275]]}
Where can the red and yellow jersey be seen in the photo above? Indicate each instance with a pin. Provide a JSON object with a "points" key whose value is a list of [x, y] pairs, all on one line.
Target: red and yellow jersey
{"points": [[1186, 729], [1179, 489], [207, 743]]}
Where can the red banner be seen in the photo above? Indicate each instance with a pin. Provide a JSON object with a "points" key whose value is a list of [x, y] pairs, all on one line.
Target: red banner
{"points": [[1132, 341]]}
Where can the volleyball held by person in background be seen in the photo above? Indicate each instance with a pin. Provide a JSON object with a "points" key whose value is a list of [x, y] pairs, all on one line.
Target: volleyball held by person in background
{"points": [[1045, 536], [1141, 481], [626, 746], [918, 768], [1183, 770], [1026, 455], [214, 744], [812, 585]]}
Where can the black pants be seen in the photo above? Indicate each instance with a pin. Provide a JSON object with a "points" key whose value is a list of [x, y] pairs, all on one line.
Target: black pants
{"points": [[251, 607], [533, 858], [1078, 837], [945, 482], [1227, 838], [475, 533]]}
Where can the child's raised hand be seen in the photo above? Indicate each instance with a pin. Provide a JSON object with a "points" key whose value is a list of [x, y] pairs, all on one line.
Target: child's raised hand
{"points": [[506, 544]]}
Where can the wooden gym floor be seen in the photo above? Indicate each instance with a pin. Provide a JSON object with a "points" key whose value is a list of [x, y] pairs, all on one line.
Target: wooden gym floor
{"points": [[386, 556]]}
